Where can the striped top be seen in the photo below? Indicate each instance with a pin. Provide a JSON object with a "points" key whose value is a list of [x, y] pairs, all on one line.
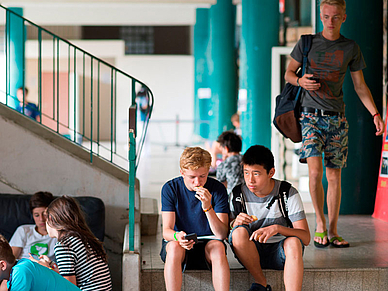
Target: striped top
{"points": [[91, 272]]}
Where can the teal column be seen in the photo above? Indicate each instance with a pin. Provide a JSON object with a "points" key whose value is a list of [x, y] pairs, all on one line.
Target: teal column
{"points": [[222, 67], [15, 52], [202, 91], [318, 22], [359, 179], [259, 35], [305, 12]]}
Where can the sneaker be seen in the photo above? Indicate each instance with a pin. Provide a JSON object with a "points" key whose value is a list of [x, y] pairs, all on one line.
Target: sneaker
{"points": [[258, 287]]}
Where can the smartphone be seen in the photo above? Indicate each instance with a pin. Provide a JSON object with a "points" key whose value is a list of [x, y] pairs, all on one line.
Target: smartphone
{"points": [[192, 236], [316, 79], [36, 257]]}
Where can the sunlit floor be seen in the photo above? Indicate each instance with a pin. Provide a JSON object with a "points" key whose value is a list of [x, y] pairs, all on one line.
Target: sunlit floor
{"points": [[368, 236]]}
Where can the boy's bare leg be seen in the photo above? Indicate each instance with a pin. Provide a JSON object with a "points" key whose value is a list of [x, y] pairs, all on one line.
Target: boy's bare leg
{"points": [[293, 268], [173, 266], [333, 200], [215, 254], [317, 194], [248, 255]]}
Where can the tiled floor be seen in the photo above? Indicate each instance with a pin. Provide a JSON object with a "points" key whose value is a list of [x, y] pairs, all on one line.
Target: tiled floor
{"points": [[368, 236]]}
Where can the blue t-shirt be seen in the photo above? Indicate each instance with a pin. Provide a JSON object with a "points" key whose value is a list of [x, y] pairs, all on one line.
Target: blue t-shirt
{"points": [[27, 275], [189, 216], [30, 110]]}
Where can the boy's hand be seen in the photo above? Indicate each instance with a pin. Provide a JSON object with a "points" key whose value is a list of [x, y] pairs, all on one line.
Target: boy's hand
{"points": [[204, 196], [243, 218], [263, 234], [184, 243]]}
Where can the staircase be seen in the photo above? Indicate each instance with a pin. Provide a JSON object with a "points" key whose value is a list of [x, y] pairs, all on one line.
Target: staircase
{"points": [[85, 131]]}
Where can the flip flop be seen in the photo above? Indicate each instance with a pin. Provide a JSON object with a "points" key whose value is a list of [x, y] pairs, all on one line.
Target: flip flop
{"points": [[321, 235], [340, 239]]}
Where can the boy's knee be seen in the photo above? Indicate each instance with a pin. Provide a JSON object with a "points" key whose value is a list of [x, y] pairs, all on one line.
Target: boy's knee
{"points": [[174, 250], [239, 235], [292, 246], [215, 250]]}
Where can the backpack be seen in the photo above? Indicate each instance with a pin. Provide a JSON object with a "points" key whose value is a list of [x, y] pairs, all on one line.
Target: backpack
{"points": [[287, 109], [238, 200]]}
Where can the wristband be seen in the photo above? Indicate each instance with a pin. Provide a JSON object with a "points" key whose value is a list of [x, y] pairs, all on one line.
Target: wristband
{"points": [[297, 81], [175, 236], [206, 210], [377, 114], [231, 224]]}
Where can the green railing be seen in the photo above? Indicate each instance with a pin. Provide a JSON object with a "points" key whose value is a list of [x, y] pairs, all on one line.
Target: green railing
{"points": [[74, 93]]}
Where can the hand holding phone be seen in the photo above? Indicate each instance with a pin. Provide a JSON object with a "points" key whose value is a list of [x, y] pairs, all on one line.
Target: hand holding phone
{"points": [[192, 236]]}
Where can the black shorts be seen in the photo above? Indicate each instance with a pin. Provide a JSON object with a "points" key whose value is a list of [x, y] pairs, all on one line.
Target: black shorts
{"points": [[195, 258]]}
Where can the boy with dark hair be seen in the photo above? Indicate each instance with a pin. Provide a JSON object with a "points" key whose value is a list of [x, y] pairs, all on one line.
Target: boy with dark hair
{"points": [[268, 232], [229, 171], [33, 238], [194, 203], [25, 275], [28, 108]]}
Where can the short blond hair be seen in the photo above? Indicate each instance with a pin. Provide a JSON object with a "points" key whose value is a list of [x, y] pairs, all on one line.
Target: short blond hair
{"points": [[339, 3], [194, 158]]}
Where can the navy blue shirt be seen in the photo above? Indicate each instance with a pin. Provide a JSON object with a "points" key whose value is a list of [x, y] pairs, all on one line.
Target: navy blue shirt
{"points": [[189, 216]]}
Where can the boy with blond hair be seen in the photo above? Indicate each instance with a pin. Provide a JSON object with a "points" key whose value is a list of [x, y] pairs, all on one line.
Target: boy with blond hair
{"points": [[323, 121], [194, 203]]}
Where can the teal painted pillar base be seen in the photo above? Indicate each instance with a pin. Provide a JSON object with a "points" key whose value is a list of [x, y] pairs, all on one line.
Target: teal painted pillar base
{"points": [[15, 53], [222, 67], [202, 91], [359, 178], [259, 35]]}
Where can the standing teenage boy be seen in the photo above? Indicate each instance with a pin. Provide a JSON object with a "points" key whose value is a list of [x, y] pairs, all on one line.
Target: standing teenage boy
{"points": [[324, 126], [261, 237], [194, 203], [26, 275]]}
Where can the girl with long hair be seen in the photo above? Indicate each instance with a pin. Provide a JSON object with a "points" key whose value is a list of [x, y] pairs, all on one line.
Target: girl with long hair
{"points": [[80, 256]]}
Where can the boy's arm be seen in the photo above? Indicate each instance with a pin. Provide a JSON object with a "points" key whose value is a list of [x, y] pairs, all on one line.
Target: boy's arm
{"points": [[168, 221], [366, 98], [219, 223], [300, 230], [291, 77]]}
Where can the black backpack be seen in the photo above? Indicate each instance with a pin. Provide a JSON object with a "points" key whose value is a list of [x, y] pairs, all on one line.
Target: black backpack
{"points": [[238, 200], [287, 109]]}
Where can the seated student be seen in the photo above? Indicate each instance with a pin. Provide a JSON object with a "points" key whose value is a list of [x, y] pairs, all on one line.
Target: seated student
{"points": [[229, 171], [269, 240], [80, 256], [33, 238], [194, 203], [25, 275], [30, 109]]}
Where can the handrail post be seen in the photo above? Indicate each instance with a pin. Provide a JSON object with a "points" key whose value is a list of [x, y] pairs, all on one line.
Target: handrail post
{"points": [[132, 177]]}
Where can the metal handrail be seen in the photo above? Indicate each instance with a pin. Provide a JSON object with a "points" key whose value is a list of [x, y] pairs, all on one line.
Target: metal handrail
{"points": [[69, 114], [83, 136]]}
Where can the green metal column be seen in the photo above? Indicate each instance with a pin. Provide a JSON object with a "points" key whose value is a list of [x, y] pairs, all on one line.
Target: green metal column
{"points": [[259, 35], [359, 179], [15, 52], [222, 66], [201, 83]]}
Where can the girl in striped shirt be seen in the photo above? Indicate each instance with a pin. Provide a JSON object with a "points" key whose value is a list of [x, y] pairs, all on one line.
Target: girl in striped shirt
{"points": [[80, 256]]}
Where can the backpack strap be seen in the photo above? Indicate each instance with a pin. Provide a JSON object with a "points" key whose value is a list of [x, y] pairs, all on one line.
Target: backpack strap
{"points": [[307, 40], [284, 191], [238, 200]]}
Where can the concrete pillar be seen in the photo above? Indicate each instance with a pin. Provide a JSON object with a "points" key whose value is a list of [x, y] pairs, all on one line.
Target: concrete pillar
{"points": [[359, 179], [222, 66], [202, 94], [15, 49], [259, 35]]}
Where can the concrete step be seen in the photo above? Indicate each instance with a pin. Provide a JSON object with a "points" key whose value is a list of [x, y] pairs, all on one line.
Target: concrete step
{"points": [[314, 279], [149, 216]]}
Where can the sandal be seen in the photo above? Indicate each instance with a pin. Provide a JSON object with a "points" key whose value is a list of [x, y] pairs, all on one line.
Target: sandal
{"points": [[321, 235], [339, 239]]}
